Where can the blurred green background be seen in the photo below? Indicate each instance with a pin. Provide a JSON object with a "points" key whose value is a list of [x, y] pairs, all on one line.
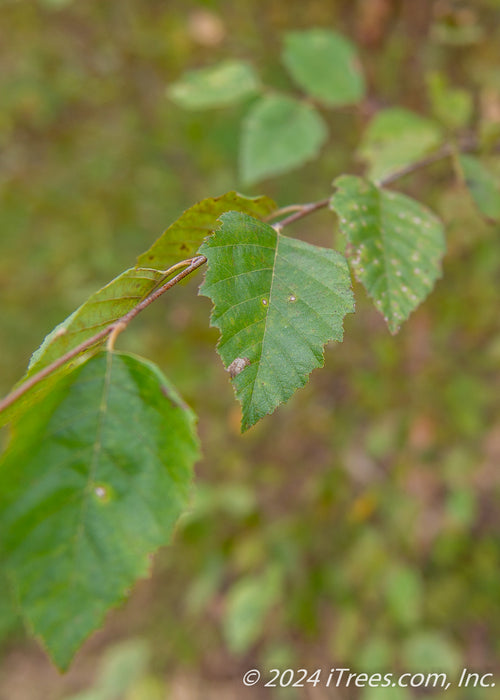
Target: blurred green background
{"points": [[356, 527]]}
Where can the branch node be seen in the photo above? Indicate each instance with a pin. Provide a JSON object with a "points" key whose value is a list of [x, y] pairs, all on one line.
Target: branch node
{"points": [[117, 329]]}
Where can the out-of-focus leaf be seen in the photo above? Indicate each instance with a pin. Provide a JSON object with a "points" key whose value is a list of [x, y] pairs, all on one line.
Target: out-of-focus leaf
{"points": [[9, 614], [386, 693], [183, 238], [395, 138], [121, 667], [483, 185], [92, 482], [279, 134], [403, 593], [247, 605], [397, 245], [226, 83], [430, 651], [461, 506], [325, 65], [451, 106], [277, 301]]}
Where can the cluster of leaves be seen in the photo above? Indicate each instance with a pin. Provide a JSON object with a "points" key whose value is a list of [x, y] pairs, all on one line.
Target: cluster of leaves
{"points": [[99, 463]]}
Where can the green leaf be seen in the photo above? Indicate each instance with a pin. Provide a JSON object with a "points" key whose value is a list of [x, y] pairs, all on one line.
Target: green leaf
{"points": [[451, 106], [120, 668], [396, 138], [226, 83], [178, 242], [279, 134], [248, 604], [484, 186], [431, 651], [325, 65], [397, 245], [92, 482], [9, 614], [100, 310], [183, 238], [277, 301], [404, 595]]}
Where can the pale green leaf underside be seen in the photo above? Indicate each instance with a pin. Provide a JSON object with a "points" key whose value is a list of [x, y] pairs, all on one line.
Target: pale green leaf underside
{"points": [[395, 138], [183, 238], [279, 134], [483, 185], [325, 65], [277, 301], [226, 83], [93, 480], [101, 309], [397, 245]]}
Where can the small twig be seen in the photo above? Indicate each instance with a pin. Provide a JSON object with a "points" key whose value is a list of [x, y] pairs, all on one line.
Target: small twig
{"points": [[299, 211], [283, 210], [303, 210], [443, 153], [112, 330]]}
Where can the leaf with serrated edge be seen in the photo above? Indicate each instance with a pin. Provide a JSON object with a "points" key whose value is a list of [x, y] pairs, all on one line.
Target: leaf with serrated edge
{"points": [[184, 236], [93, 481], [277, 301], [178, 242], [100, 310], [397, 245]]}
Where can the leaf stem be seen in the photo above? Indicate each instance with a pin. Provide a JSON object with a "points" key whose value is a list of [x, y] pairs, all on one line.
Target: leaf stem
{"points": [[112, 330]]}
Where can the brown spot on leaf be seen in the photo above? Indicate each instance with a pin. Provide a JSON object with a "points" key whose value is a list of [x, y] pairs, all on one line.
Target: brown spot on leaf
{"points": [[237, 366]]}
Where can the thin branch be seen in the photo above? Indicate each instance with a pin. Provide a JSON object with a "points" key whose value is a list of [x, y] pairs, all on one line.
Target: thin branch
{"points": [[305, 210], [283, 211], [302, 210], [469, 143], [115, 327]]}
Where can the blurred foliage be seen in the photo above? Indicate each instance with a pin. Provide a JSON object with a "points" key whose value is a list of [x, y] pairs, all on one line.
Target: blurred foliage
{"points": [[365, 512]]}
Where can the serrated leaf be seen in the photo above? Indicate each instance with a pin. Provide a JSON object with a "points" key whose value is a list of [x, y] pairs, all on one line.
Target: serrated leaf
{"points": [[92, 482], [395, 138], [224, 84], [397, 245], [178, 242], [277, 301], [183, 238], [326, 65], [279, 134], [483, 185], [100, 310]]}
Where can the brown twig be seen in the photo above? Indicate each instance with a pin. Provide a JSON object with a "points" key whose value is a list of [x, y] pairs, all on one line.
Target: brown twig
{"points": [[299, 211], [114, 328], [302, 210]]}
